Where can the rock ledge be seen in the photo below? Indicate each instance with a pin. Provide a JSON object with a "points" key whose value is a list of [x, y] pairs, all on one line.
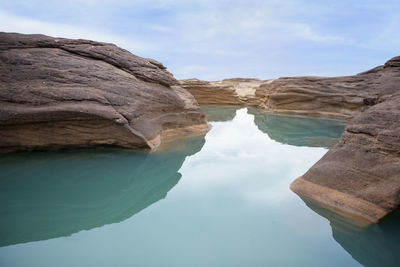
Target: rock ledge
{"points": [[57, 93]]}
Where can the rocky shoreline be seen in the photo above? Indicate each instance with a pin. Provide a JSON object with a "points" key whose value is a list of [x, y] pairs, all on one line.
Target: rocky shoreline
{"points": [[360, 176], [60, 93]]}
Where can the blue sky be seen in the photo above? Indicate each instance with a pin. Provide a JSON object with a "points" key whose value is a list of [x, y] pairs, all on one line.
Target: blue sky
{"points": [[221, 39]]}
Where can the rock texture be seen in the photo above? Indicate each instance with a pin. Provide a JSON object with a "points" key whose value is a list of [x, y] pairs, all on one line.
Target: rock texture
{"points": [[57, 92], [339, 97], [334, 97], [238, 91], [360, 176]]}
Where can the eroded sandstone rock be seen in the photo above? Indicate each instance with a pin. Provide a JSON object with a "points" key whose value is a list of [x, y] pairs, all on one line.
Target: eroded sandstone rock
{"points": [[337, 97], [238, 91], [57, 92], [360, 176]]}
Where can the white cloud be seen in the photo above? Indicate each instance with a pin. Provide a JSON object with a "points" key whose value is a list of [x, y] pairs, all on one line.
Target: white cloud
{"points": [[12, 23], [219, 39], [237, 156], [251, 24]]}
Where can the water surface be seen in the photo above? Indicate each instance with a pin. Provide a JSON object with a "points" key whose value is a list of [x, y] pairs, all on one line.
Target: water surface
{"points": [[218, 200]]}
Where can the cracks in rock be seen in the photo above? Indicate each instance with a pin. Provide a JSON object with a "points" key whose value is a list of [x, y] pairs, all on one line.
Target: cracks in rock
{"points": [[102, 58], [119, 113], [122, 68]]}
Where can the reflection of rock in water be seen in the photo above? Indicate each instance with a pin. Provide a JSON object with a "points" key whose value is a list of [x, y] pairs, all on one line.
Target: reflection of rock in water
{"points": [[374, 245], [220, 112], [53, 194], [298, 131]]}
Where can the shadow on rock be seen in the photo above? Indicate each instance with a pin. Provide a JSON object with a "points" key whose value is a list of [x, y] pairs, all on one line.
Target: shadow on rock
{"points": [[45, 195]]}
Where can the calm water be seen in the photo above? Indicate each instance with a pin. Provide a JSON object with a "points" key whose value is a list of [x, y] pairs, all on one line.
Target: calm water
{"points": [[222, 200]]}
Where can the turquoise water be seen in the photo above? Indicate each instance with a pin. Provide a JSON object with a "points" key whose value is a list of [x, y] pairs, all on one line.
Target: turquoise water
{"points": [[218, 200]]}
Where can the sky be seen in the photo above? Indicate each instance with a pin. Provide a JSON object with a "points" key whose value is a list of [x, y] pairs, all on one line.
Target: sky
{"points": [[213, 40]]}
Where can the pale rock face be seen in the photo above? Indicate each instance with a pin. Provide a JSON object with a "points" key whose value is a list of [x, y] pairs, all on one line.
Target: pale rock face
{"points": [[57, 93], [237, 91]]}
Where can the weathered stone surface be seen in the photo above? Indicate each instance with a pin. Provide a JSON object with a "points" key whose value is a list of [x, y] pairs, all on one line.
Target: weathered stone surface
{"points": [[334, 97], [57, 92], [340, 97], [360, 176], [238, 91], [337, 97]]}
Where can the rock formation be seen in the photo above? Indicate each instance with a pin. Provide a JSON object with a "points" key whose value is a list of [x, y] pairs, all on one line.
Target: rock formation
{"points": [[334, 97], [360, 176], [339, 97], [239, 91], [57, 93]]}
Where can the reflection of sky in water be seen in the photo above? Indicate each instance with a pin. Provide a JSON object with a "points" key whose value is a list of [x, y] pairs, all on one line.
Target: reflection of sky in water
{"points": [[232, 158], [232, 207]]}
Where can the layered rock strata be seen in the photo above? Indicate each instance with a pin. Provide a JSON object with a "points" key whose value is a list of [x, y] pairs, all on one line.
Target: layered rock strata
{"points": [[360, 176], [57, 93], [328, 97], [239, 91], [337, 97]]}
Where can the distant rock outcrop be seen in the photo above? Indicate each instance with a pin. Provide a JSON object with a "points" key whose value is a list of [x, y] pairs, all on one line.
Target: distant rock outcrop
{"points": [[361, 174], [239, 91], [57, 92]]}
